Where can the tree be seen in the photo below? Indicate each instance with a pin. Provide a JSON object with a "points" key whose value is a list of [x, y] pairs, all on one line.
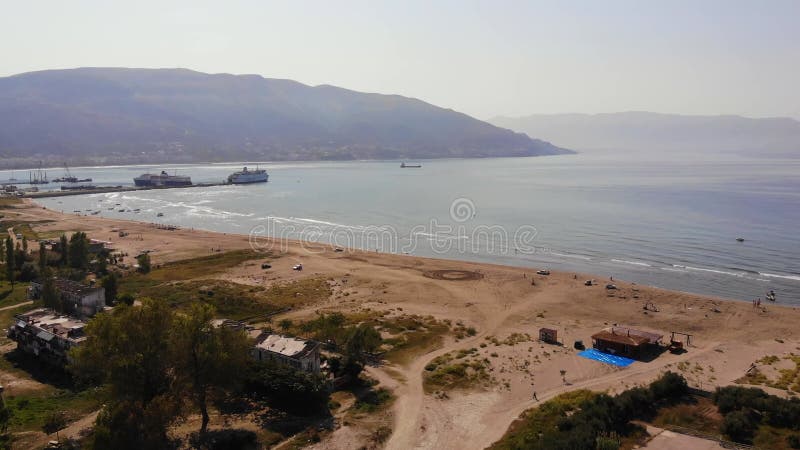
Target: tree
{"points": [[28, 272], [144, 263], [10, 261], [55, 422], [50, 295], [111, 285], [128, 350], [2, 250], [102, 263], [360, 340], [42, 257], [24, 245], [205, 356], [63, 249], [79, 250], [285, 324]]}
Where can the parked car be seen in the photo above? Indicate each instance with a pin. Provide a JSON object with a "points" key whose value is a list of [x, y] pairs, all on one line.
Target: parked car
{"points": [[297, 267], [543, 272]]}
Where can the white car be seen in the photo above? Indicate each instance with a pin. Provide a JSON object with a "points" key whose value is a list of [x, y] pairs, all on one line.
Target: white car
{"points": [[297, 267]]}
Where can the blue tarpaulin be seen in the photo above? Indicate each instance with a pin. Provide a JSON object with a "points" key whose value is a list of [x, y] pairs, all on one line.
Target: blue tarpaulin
{"points": [[606, 358]]}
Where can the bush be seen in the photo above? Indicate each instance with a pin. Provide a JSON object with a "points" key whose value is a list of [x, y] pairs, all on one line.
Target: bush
{"points": [[670, 386], [740, 425]]}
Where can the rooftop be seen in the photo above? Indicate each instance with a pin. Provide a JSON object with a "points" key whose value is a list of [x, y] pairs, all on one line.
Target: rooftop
{"points": [[628, 336], [285, 345], [51, 324], [72, 287]]}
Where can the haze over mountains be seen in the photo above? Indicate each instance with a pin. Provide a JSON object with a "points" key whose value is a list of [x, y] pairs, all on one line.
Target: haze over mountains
{"points": [[114, 115], [653, 132]]}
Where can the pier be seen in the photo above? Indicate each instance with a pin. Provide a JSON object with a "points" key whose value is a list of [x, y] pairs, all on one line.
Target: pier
{"points": [[107, 189]]}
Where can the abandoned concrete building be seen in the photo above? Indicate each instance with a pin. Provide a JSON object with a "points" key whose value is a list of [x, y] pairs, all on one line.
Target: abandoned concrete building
{"points": [[291, 351], [48, 335], [77, 299]]}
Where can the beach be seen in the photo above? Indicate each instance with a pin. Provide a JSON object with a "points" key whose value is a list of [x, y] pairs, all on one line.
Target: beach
{"points": [[498, 302]]}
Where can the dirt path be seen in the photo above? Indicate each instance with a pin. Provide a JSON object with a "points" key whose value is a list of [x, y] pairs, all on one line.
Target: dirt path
{"points": [[72, 431], [5, 308]]}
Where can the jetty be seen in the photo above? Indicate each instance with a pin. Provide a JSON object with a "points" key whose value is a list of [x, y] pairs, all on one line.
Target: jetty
{"points": [[107, 189]]}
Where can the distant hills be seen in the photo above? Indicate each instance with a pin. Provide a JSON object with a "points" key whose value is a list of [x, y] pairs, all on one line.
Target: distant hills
{"points": [[652, 132], [114, 115]]}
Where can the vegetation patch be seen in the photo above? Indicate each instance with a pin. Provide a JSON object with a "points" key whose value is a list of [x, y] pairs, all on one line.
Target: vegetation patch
{"points": [[462, 369], [9, 296], [585, 420], [234, 300], [32, 411], [187, 269], [696, 413], [788, 379], [411, 336]]}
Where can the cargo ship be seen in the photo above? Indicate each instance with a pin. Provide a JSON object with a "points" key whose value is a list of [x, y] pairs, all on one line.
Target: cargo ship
{"points": [[246, 176], [162, 180]]}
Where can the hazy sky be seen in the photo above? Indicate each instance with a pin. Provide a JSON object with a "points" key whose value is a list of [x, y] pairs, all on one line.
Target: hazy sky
{"points": [[484, 58]]}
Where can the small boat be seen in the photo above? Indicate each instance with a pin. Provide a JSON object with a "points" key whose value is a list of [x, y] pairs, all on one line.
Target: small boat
{"points": [[410, 166], [160, 215], [739, 239]]}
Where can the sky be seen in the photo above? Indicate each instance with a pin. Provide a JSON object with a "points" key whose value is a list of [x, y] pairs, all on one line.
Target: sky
{"points": [[484, 58]]}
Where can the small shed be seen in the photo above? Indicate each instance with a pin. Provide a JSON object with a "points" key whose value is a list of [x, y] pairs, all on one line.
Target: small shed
{"points": [[548, 335]]}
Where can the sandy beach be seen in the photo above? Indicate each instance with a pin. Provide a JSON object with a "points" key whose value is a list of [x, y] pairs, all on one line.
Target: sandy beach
{"points": [[498, 301]]}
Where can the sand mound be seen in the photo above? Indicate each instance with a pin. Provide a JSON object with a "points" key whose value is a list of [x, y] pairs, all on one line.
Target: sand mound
{"points": [[453, 275]]}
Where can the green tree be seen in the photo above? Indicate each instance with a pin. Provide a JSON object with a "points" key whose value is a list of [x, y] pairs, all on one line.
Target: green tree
{"points": [[50, 295], [102, 263], [42, 257], [24, 245], [128, 350], [206, 357], [63, 249], [10, 261], [111, 285], [144, 263], [285, 324], [2, 250], [79, 250], [55, 422], [360, 340]]}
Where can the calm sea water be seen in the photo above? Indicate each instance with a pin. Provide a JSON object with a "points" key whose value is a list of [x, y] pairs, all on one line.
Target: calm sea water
{"points": [[666, 223]]}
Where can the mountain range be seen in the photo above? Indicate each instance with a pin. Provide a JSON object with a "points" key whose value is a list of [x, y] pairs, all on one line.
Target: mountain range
{"points": [[663, 133], [118, 115]]}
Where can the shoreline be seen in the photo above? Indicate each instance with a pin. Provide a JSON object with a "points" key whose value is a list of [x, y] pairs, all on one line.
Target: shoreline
{"points": [[295, 243]]}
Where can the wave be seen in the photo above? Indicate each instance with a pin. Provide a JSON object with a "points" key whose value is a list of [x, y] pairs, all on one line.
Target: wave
{"points": [[569, 255], [785, 277], [701, 269], [633, 263]]}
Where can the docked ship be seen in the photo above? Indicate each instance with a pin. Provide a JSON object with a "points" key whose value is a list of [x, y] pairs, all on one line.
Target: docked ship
{"points": [[245, 176], [162, 180]]}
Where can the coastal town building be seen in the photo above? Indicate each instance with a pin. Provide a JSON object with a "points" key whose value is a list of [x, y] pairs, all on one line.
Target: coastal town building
{"points": [[626, 341], [291, 351], [47, 335], [77, 298]]}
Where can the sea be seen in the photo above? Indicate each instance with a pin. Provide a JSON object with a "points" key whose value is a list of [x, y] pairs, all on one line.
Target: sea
{"points": [[719, 225]]}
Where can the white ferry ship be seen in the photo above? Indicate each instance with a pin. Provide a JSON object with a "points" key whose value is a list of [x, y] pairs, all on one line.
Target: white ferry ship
{"points": [[248, 176]]}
